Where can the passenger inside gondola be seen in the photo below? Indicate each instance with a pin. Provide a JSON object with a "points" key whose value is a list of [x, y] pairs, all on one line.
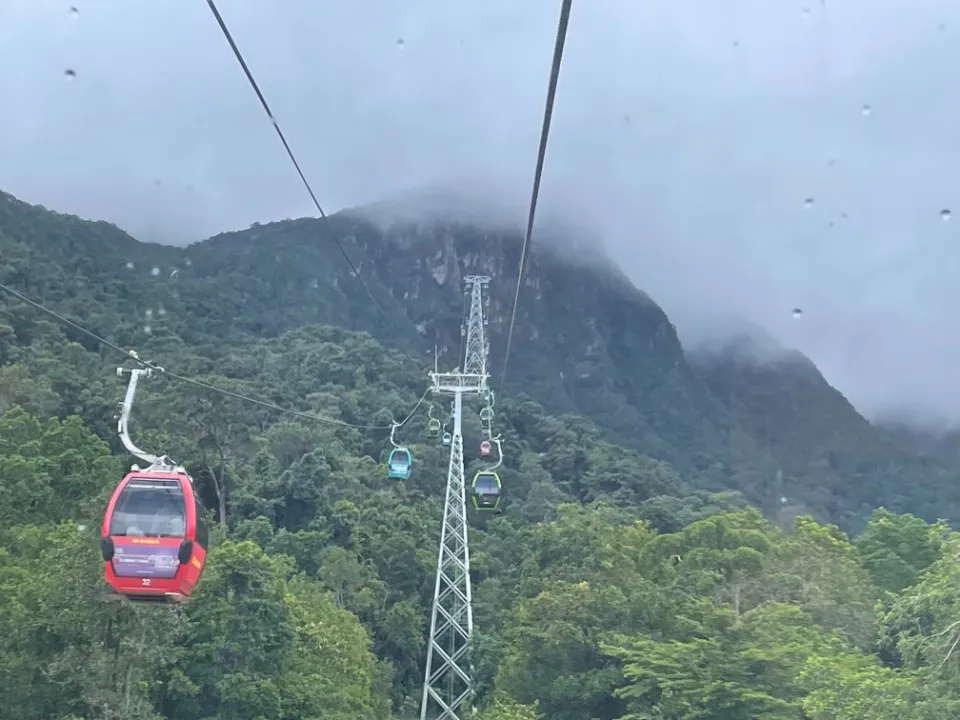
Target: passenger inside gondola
{"points": [[153, 508]]}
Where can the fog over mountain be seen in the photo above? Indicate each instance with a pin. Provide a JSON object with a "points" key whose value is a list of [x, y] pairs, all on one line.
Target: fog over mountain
{"points": [[688, 136]]}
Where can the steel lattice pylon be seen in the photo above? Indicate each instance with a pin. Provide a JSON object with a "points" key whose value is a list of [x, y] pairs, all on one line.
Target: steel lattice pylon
{"points": [[447, 683]]}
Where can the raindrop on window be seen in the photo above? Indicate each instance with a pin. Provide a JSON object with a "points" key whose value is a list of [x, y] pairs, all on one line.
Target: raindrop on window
{"points": [[797, 312], [129, 266], [70, 74], [400, 42], [161, 311], [74, 12], [805, 13], [866, 110], [808, 203], [188, 262], [945, 215], [148, 313], [155, 271], [147, 329]]}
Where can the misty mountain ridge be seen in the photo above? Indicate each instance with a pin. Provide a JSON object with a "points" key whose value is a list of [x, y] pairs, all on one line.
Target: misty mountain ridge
{"points": [[734, 413]]}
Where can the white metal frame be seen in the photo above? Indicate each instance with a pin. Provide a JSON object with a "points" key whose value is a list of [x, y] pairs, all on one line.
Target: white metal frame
{"points": [[448, 685]]}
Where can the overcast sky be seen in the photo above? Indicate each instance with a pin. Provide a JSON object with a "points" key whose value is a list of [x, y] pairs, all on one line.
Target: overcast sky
{"points": [[689, 133]]}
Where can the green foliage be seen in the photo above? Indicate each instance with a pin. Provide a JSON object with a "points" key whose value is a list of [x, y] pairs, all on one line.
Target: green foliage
{"points": [[630, 576]]}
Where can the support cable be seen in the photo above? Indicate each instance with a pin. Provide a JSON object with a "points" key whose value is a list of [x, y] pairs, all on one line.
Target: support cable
{"points": [[544, 136], [276, 126]]}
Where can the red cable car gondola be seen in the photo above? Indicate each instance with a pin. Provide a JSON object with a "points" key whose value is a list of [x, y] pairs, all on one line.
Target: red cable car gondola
{"points": [[485, 448], [154, 538]]}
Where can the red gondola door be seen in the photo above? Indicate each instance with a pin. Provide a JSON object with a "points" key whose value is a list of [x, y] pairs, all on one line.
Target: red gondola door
{"points": [[153, 537]]}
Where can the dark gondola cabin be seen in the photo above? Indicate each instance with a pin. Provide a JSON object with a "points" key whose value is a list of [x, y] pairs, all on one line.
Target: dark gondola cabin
{"points": [[447, 438], [153, 538], [486, 491], [399, 464]]}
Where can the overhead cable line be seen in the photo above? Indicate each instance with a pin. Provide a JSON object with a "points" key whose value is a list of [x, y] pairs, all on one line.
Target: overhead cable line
{"points": [[544, 135], [132, 354], [276, 126]]}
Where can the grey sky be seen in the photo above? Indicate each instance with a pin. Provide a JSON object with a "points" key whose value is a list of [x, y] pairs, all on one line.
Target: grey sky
{"points": [[689, 133]]}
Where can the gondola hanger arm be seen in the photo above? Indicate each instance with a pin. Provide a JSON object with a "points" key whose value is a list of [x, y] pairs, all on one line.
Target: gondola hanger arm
{"points": [[497, 441]]}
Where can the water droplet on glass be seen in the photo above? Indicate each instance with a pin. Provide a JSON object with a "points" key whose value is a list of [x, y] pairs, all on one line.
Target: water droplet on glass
{"points": [[831, 163], [74, 12], [797, 312], [148, 313], [147, 329], [866, 110], [188, 262], [70, 74], [805, 12], [808, 203], [155, 271], [161, 311], [129, 266], [783, 500], [400, 42], [945, 215]]}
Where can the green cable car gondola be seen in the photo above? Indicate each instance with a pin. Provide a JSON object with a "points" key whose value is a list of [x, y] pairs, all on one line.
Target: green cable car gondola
{"points": [[433, 428], [399, 464], [486, 490]]}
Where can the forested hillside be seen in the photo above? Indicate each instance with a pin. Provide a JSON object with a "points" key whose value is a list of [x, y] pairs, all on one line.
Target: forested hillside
{"points": [[629, 576]]}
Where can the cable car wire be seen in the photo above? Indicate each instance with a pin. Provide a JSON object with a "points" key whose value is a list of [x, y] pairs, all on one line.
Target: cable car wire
{"points": [[132, 355], [415, 407], [544, 135], [276, 126]]}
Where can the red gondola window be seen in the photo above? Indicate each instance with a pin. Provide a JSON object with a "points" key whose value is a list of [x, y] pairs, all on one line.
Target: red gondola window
{"points": [[150, 507]]}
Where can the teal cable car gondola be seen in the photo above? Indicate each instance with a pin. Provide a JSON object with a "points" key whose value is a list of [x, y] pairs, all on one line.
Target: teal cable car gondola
{"points": [[486, 490], [399, 464]]}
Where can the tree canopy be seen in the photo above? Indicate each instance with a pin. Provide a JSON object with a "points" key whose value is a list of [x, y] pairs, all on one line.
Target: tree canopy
{"points": [[617, 585]]}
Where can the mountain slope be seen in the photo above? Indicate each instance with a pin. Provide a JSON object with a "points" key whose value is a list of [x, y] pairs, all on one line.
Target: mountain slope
{"points": [[831, 457], [587, 341]]}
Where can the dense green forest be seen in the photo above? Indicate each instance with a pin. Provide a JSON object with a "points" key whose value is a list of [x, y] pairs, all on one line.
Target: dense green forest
{"points": [[660, 577]]}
